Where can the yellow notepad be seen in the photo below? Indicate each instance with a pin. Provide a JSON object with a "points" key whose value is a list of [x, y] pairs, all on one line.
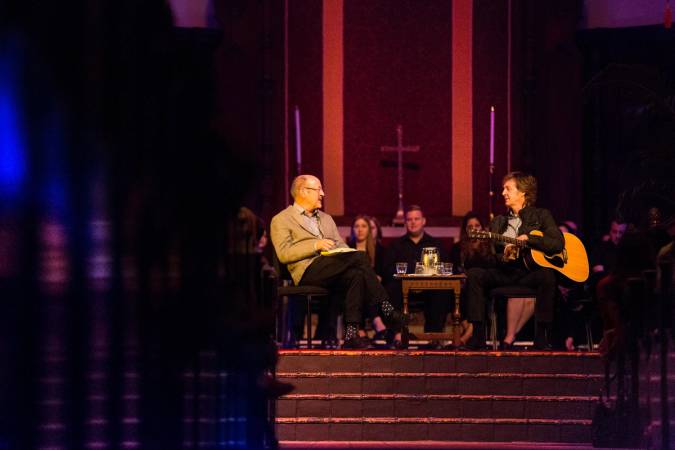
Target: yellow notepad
{"points": [[337, 250]]}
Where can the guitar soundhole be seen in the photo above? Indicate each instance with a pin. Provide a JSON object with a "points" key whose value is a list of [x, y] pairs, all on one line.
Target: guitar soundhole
{"points": [[556, 261]]}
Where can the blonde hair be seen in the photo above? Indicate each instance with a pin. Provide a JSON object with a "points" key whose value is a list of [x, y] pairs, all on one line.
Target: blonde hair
{"points": [[370, 241]]}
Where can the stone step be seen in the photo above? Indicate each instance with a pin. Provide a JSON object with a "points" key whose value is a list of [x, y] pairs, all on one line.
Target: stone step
{"points": [[438, 361], [433, 429], [437, 406], [474, 383]]}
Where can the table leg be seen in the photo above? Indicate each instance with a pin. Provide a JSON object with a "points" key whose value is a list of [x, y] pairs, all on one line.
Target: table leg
{"points": [[405, 333], [456, 320]]}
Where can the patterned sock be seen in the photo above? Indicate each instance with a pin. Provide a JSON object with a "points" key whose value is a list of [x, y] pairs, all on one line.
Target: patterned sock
{"points": [[387, 308], [351, 331]]}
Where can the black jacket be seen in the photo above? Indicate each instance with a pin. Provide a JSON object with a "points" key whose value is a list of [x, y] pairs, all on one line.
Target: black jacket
{"points": [[534, 219]]}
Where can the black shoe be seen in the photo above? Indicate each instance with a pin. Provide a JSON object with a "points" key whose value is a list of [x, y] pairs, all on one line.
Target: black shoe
{"points": [[541, 339], [506, 347], [290, 344], [477, 340], [357, 343], [434, 345], [329, 344], [386, 335], [397, 344]]}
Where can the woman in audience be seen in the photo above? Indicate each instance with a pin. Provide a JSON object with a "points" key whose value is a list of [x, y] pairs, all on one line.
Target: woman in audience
{"points": [[361, 238], [376, 229], [468, 253]]}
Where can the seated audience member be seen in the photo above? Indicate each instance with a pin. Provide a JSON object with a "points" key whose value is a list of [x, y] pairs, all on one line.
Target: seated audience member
{"points": [[657, 231], [603, 255], [307, 240], [363, 239], [376, 229], [520, 194], [634, 255], [568, 226], [408, 249], [468, 253]]}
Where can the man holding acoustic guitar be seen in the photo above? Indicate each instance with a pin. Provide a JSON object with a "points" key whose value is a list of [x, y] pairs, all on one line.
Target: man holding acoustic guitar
{"points": [[530, 249]]}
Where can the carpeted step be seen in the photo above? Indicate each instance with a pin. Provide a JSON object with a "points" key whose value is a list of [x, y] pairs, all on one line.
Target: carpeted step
{"points": [[435, 429], [486, 383], [434, 361], [438, 396], [444, 405]]}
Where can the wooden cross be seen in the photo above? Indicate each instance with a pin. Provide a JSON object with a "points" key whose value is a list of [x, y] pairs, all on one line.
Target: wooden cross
{"points": [[399, 219]]}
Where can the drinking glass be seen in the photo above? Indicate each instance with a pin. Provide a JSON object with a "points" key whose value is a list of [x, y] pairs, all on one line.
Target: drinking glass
{"points": [[419, 268], [401, 267], [447, 268]]}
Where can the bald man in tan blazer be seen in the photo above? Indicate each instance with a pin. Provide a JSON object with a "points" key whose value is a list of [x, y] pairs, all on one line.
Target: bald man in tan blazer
{"points": [[301, 232]]}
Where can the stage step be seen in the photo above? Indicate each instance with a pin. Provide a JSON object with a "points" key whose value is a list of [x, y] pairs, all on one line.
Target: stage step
{"points": [[438, 396]]}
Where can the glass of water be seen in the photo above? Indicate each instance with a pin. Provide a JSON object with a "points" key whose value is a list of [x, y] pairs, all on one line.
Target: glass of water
{"points": [[419, 267], [447, 268], [401, 267]]}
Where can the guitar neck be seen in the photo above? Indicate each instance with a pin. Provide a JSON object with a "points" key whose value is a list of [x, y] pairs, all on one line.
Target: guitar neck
{"points": [[506, 239]]}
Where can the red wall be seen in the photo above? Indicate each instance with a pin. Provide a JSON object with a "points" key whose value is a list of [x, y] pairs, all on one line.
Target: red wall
{"points": [[396, 71], [305, 83]]}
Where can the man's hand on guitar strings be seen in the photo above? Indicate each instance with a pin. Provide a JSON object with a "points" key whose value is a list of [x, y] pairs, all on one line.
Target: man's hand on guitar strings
{"points": [[511, 253]]}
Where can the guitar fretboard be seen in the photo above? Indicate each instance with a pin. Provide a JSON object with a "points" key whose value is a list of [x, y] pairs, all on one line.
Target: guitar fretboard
{"points": [[500, 238]]}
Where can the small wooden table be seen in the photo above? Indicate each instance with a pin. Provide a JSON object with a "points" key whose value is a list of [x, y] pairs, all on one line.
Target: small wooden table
{"points": [[419, 283]]}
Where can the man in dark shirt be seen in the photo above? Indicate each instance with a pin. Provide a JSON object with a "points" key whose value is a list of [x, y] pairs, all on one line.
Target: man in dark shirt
{"points": [[603, 256], [520, 195], [408, 248]]}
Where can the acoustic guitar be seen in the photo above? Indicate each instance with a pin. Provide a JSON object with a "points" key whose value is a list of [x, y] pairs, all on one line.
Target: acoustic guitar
{"points": [[572, 261]]}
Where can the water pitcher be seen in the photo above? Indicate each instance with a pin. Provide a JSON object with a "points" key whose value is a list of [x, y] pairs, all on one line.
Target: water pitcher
{"points": [[430, 259]]}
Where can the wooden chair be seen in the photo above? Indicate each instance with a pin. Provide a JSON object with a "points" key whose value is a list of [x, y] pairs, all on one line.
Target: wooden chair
{"points": [[505, 292], [286, 289]]}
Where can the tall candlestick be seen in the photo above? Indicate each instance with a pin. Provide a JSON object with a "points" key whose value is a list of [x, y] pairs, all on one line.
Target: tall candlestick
{"points": [[492, 135], [298, 148]]}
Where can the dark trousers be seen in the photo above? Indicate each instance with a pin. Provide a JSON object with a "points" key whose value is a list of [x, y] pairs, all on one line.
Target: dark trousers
{"points": [[352, 274], [479, 282]]}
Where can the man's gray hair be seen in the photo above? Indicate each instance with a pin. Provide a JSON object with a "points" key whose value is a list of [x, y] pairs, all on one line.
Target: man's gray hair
{"points": [[298, 182]]}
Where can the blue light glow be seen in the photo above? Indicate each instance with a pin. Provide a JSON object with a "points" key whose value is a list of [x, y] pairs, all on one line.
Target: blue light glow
{"points": [[12, 150]]}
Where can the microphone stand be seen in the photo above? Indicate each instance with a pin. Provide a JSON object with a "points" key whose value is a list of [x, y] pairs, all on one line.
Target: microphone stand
{"points": [[491, 214]]}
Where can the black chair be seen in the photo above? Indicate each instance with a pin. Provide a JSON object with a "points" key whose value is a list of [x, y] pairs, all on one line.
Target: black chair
{"points": [[286, 289], [505, 292]]}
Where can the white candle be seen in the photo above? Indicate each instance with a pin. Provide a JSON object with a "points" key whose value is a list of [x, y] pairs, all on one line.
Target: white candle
{"points": [[492, 135], [298, 149]]}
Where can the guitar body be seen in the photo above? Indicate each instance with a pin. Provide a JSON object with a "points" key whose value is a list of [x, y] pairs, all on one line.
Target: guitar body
{"points": [[571, 262]]}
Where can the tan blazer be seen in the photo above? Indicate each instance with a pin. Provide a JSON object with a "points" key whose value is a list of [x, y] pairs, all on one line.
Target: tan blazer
{"points": [[294, 243]]}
